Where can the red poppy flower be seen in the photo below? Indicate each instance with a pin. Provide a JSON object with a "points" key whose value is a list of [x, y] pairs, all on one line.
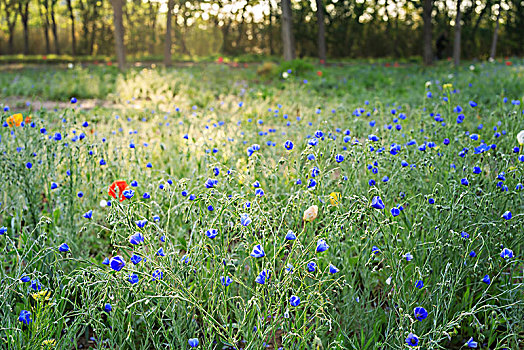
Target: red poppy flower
{"points": [[319, 73], [220, 59], [122, 185], [509, 63], [322, 61]]}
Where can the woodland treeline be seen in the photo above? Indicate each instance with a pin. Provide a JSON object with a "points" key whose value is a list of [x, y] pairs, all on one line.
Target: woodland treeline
{"points": [[292, 28]]}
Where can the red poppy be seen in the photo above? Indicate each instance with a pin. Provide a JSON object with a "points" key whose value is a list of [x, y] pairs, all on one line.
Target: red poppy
{"points": [[122, 185], [319, 73], [509, 63], [322, 61], [220, 59]]}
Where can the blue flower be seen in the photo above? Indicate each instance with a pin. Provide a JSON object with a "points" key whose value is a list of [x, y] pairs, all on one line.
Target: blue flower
{"points": [[294, 301], [135, 259], [395, 212], [256, 184], [128, 194], [419, 284], [339, 158], [3, 230], [25, 279], [226, 281], [117, 263], [412, 339], [63, 247], [471, 343], [210, 183], [141, 223], [160, 252], [36, 285], [377, 203], [88, 215], [472, 254], [193, 342], [288, 145], [506, 253], [108, 307], [146, 195], [261, 278], [311, 266], [211, 233], [157, 275], [333, 269], [408, 256], [464, 235], [507, 215], [133, 278], [486, 279], [136, 238], [73, 100], [105, 261], [322, 246], [420, 313], [25, 317], [312, 183], [245, 220], [149, 165], [375, 250], [259, 192], [290, 236], [258, 251], [464, 182]]}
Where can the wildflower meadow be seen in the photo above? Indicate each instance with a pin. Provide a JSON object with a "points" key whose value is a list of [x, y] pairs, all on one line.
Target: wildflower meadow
{"points": [[262, 206]]}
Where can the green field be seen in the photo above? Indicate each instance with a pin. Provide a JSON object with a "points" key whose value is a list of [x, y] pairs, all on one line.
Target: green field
{"points": [[212, 232]]}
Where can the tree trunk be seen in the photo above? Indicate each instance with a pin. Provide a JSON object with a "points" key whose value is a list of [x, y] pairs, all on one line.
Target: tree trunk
{"points": [[23, 8], [45, 21], [428, 51], [53, 27], [270, 29], [321, 31], [152, 17], [169, 18], [119, 32], [287, 31], [456, 42], [72, 16], [495, 37]]}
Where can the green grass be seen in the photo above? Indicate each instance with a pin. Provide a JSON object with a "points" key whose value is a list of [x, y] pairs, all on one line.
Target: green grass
{"points": [[187, 122]]}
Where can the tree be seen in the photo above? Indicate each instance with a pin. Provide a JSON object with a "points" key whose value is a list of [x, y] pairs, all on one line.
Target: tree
{"points": [[43, 9], [287, 31], [72, 17], [167, 47], [23, 10], [10, 17], [321, 31], [456, 41], [495, 35], [119, 32], [428, 50], [53, 26]]}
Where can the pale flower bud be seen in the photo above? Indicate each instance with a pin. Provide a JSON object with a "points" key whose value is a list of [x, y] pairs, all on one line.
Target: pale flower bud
{"points": [[311, 213]]}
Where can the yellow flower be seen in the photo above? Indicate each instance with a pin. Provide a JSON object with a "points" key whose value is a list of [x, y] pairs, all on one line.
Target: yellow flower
{"points": [[15, 120], [44, 295], [311, 213], [334, 198], [447, 86], [50, 343]]}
